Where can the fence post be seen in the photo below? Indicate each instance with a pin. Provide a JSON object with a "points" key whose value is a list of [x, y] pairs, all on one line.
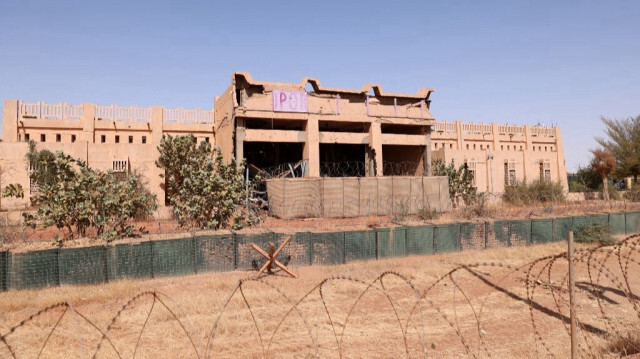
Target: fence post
{"points": [[106, 264], [553, 229], [151, 261], [344, 239], [58, 264], [235, 250], [486, 234], [572, 284], [194, 253]]}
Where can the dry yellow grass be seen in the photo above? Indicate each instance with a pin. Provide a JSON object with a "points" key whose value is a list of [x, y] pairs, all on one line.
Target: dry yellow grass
{"points": [[372, 330]]}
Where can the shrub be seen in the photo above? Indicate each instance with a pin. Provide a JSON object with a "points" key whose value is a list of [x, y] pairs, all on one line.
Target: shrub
{"points": [[537, 191], [477, 206], [204, 191], [427, 213], [460, 180], [594, 233], [73, 197]]}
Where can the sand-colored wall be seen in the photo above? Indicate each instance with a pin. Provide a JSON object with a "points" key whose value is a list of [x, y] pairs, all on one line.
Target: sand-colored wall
{"points": [[489, 146], [353, 196]]}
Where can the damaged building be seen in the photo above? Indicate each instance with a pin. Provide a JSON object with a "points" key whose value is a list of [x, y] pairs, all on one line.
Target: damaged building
{"points": [[321, 151]]}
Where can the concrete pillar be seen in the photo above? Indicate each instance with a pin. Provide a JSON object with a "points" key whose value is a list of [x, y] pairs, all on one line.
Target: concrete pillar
{"points": [[426, 155], [311, 151], [375, 142], [10, 121], [240, 136], [460, 135], [562, 166], [88, 122], [155, 181], [526, 156]]}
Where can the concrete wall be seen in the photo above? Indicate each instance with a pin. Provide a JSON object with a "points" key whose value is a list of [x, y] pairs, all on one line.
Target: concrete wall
{"points": [[80, 130], [353, 196], [489, 146]]}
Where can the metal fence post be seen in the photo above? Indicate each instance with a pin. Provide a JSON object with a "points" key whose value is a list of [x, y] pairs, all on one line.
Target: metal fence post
{"points": [[486, 234], [106, 264], [572, 289], [151, 259]]}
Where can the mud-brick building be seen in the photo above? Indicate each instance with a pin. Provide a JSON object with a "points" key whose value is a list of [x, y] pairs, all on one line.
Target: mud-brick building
{"points": [[324, 152], [275, 123]]}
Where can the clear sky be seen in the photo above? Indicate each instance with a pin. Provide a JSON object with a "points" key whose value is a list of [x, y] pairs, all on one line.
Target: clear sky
{"points": [[520, 62]]}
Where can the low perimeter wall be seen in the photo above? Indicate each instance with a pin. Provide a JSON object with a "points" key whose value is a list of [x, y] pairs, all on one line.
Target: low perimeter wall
{"points": [[356, 196], [232, 251]]}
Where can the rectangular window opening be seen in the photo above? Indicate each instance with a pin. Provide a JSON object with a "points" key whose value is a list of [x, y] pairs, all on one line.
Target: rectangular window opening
{"points": [[103, 139], [144, 139], [43, 138], [130, 139], [117, 139], [58, 137], [73, 138]]}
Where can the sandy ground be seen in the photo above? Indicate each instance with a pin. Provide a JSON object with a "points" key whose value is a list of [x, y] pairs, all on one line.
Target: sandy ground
{"points": [[474, 311]]}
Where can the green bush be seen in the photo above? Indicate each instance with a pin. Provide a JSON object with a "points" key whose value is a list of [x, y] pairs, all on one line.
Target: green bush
{"points": [[73, 197], [594, 233], [534, 192], [205, 192]]}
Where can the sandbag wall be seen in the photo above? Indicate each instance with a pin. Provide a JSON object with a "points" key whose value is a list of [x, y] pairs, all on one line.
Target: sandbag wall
{"points": [[226, 252]]}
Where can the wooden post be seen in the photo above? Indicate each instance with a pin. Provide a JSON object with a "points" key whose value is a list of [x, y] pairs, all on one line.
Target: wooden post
{"points": [[572, 289]]}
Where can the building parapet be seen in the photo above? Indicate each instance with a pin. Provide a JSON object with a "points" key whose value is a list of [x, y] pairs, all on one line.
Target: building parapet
{"points": [[466, 128], [113, 113]]}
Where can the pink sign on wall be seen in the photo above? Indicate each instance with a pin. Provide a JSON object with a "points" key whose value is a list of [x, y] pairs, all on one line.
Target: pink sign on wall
{"points": [[290, 101]]}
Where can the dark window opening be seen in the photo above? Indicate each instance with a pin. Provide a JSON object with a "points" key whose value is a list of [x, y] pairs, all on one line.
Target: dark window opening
{"points": [[274, 160], [58, 137], [144, 139], [43, 138], [103, 139], [73, 138], [343, 160], [400, 160], [404, 129], [269, 124], [335, 126], [130, 139], [26, 137], [117, 139], [206, 139]]}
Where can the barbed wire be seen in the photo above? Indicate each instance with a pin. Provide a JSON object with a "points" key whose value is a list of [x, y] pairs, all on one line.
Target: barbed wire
{"points": [[609, 269]]}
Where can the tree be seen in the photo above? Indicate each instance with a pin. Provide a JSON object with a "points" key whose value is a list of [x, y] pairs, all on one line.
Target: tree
{"points": [[460, 180], [604, 164], [623, 142], [73, 197], [175, 152], [204, 191]]}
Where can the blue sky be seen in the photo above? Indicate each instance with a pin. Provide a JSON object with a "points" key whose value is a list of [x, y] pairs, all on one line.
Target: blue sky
{"points": [[518, 62]]}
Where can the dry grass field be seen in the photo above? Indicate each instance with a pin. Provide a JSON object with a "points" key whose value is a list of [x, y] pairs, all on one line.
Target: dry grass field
{"points": [[440, 306]]}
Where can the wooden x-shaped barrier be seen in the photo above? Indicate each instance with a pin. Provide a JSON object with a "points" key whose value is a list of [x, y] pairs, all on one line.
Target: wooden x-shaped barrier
{"points": [[271, 258]]}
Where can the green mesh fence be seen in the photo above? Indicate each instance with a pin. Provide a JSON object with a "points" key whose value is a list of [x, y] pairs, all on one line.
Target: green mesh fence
{"points": [[129, 261], [419, 240], [397, 245], [501, 234], [602, 219], [541, 230], [214, 253], [359, 245], [173, 257], [617, 223], [85, 265], [301, 249], [4, 270], [447, 237], [35, 269], [247, 258], [224, 252], [520, 232], [386, 245], [580, 222], [472, 236], [632, 222], [328, 248], [563, 226]]}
